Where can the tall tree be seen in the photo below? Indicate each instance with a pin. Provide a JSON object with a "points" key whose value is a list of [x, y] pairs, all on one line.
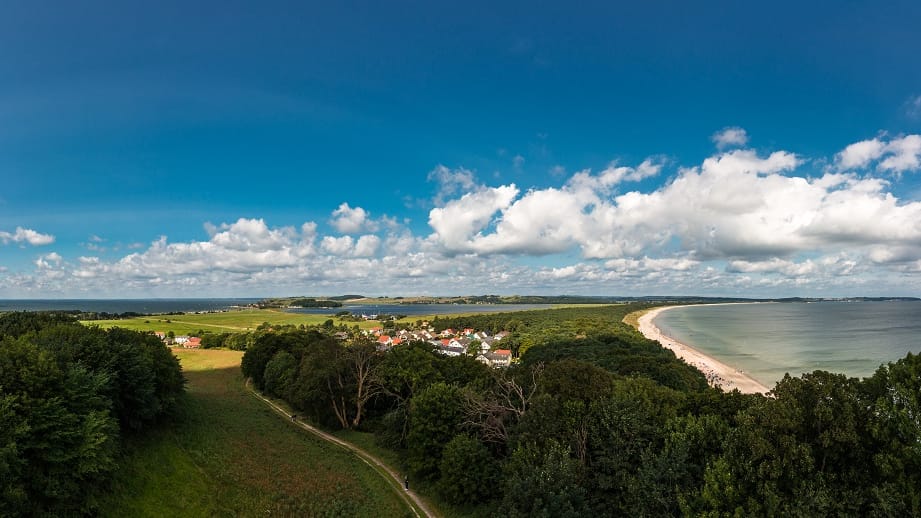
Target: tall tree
{"points": [[434, 417]]}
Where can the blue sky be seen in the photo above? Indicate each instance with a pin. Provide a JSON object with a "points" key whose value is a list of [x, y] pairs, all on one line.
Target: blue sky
{"points": [[397, 148]]}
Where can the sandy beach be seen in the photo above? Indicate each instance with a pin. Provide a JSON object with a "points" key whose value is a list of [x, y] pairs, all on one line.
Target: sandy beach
{"points": [[717, 372]]}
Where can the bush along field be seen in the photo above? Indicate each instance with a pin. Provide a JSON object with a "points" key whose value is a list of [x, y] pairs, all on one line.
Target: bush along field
{"points": [[594, 419]]}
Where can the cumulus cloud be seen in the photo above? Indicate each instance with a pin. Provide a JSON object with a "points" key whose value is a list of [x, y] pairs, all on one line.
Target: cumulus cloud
{"points": [[737, 206], [364, 246], [694, 208], [348, 220], [739, 222], [613, 176], [898, 155], [904, 154], [251, 256], [367, 245], [459, 219], [451, 182], [730, 137], [835, 265], [26, 235], [48, 261], [337, 245]]}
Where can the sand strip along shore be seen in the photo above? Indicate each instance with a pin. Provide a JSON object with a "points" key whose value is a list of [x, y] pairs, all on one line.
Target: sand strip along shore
{"points": [[717, 372]]}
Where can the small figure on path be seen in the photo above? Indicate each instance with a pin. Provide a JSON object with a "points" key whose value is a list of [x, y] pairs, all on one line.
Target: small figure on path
{"points": [[406, 482], [294, 417]]}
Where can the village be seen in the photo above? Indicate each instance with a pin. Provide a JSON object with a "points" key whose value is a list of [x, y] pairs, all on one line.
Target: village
{"points": [[449, 342]]}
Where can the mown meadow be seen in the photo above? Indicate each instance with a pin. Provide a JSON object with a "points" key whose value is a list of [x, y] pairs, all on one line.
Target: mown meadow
{"points": [[228, 454]]}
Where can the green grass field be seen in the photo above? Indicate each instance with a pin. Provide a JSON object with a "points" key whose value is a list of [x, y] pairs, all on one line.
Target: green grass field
{"points": [[228, 454], [228, 322], [250, 319]]}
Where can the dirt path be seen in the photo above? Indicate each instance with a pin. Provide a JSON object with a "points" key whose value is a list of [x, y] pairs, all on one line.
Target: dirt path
{"points": [[416, 503]]}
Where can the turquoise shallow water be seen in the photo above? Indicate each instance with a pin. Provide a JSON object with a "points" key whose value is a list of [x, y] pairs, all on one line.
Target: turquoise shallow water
{"points": [[768, 340]]}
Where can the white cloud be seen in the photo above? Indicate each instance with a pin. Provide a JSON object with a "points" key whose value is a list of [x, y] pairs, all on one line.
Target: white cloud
{"points": [[456, 222], [837, 265], [584, 214], [48, 261], [251, 234], [904, 154], [26, 235], [860, 154], [730, 137], [337, 245], [451, 182], [648, 264], [913, 107], [348, 220], [738, 223], [901, 154], [613, 176], [367, 245]]}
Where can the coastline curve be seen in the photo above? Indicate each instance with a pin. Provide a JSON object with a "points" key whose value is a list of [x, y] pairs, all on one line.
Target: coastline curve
{"points": [[718, 373]]}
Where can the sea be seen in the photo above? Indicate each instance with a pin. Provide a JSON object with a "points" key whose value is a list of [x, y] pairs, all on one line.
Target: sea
{"points": [[768, 340], [151, 306], [146, 306]]}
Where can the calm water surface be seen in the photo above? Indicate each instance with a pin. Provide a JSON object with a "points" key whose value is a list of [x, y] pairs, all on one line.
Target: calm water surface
{"points": [[768, 340], [192, 305], [124, 305]]}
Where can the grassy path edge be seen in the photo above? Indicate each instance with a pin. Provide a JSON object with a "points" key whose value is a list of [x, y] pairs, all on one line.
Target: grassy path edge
{"points": [[415, 503]]}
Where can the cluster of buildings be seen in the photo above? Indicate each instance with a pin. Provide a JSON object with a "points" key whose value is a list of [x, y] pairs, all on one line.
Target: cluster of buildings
{"points": [[184, 341], [450, 342]]}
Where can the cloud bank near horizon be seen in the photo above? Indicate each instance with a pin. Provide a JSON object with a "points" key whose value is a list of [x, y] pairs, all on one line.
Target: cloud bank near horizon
{"points": [[742, 222]]}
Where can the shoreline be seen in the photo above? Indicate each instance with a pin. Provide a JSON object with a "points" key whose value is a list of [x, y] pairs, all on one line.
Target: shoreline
{"points": [[718, 373]]}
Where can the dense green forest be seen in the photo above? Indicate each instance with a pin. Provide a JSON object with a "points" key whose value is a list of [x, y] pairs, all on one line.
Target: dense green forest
{"points": [[68, 394], [595, 420], [302, 302]]}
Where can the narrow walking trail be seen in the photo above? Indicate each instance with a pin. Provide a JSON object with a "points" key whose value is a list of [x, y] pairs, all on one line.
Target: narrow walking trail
{"points": [[416, 503]]}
